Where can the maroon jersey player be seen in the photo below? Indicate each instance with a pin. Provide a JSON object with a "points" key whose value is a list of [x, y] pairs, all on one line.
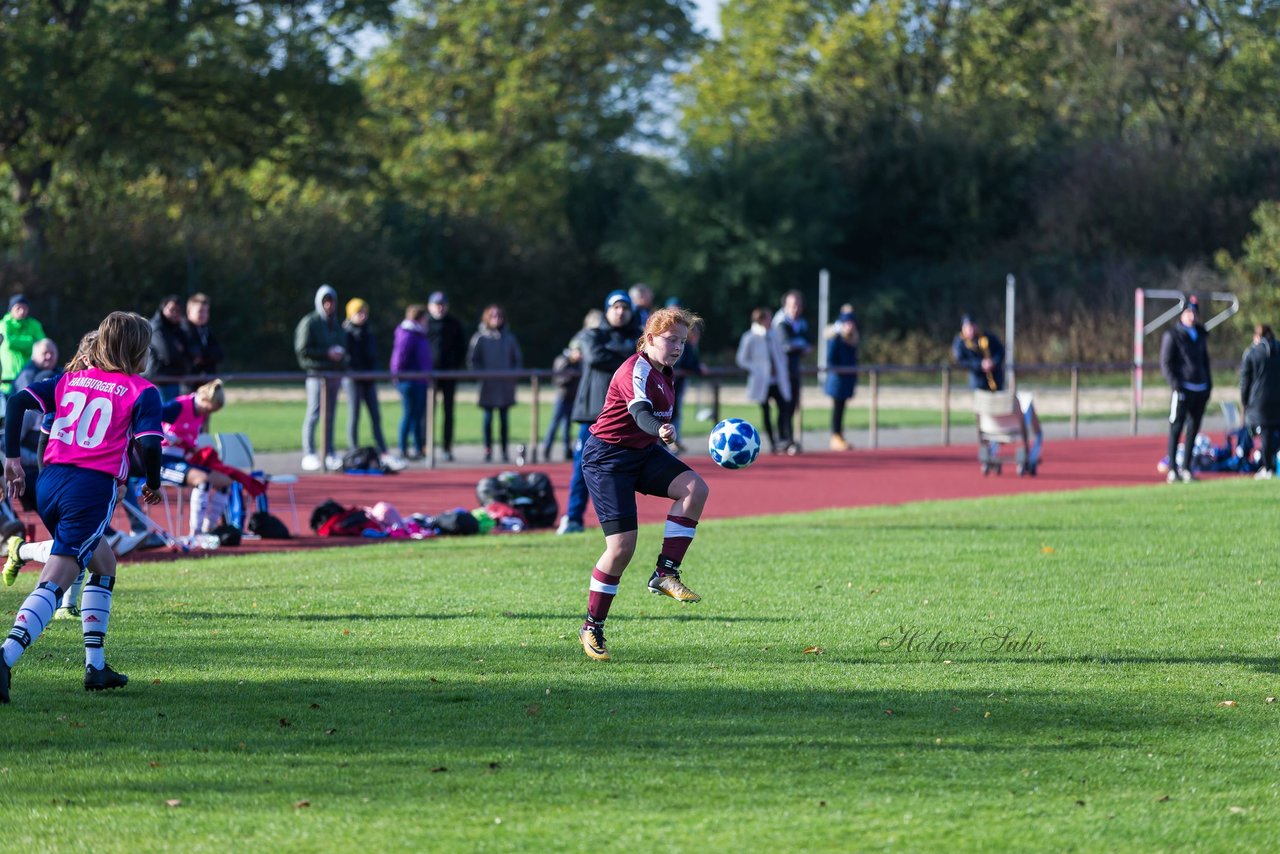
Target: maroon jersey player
{"points": [[625, 455]]}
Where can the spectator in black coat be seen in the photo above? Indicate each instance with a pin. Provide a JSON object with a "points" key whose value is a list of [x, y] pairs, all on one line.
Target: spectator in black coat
{"points": [[1260, 395], [170, 349], [791, 330], [981, 354], [206, 352], [362, 352], [604, 349], [449, 342], [1184, 359]]}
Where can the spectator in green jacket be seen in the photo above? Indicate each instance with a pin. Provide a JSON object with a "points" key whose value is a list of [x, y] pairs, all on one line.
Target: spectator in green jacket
{"points": [[21, 331], [320, 345]]}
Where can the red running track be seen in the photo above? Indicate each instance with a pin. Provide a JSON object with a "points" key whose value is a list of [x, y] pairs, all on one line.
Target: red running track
{"points": [[775, 484]]}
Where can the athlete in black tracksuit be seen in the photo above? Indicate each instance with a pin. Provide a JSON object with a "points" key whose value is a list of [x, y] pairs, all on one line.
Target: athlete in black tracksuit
{"points": [[1184, 359], [1260, 394]]}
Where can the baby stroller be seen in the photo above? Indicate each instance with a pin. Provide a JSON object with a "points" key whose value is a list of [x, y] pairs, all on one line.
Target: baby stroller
{"points": [[1006, 418]]}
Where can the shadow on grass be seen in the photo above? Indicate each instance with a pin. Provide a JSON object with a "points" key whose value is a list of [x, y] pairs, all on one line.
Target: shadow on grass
{"points": [[385, 723], [1262, 664]]}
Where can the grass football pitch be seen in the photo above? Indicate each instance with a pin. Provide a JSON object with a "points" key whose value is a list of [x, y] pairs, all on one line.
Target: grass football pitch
{"points": [[1089, 671]]}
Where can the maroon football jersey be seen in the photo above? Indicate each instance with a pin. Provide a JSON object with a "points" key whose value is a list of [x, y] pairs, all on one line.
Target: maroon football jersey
{"points": [[636, 379]]}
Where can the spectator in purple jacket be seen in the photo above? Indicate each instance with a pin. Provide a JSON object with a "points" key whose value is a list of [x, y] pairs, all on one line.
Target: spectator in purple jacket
{"points": [[411, 353]]}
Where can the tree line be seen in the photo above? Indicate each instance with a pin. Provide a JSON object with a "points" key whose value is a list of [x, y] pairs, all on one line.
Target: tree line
{"points": [[541, 154]]}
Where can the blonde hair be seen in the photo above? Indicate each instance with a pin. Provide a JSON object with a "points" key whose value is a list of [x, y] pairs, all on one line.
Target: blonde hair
{"points": [[80, 361], [124, 339], [666, 318], [211, 396], [355, 306]]}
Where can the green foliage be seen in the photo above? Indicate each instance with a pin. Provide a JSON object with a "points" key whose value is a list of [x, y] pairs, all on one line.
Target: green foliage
{"points": [[491, 106], [169, 86], [920, 150], [432, 696], [1255, 275]]}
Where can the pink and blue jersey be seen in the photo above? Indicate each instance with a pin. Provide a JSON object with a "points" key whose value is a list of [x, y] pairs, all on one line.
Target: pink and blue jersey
{"points": [[181, 424], [96, 414]]}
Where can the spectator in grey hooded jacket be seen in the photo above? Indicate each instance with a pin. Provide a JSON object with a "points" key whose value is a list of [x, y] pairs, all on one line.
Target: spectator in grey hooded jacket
{"points": [[320, 345], [1260, 395]]}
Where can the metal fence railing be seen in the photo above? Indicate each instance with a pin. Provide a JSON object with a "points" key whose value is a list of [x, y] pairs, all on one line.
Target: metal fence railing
{"points": [[1074, 377]]}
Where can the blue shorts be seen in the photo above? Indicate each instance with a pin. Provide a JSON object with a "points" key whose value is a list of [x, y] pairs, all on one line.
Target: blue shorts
{"points": [[615, 474], [75, 504], [174, 470]]}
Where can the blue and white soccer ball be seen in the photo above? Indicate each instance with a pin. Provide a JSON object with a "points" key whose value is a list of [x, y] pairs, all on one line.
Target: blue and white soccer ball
{"points": [[734, 444]]}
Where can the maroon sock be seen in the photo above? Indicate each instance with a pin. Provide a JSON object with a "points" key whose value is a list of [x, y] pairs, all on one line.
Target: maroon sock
{"points": [[603, 589], [677, 536]]}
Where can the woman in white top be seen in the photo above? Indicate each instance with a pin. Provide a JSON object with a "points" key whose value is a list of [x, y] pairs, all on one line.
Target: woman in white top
{"points": [[760, 355]]}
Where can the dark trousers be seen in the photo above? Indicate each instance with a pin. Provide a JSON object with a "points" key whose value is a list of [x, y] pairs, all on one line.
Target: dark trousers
{"points": [[562, 421], [576, 507], [784, 427], [787, 411], [413, 395], [1269, 442], [837, 415], [363, 392], [1186, 407], [448, 391], [504, 428]]}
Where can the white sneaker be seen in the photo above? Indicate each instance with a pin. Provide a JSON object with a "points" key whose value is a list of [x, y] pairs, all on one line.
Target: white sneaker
{"points": [[333, 462], [1187, 476], [1264, 474], [125, 543], [393, 463], [1172, 476], [311, 462], [568, 526]]}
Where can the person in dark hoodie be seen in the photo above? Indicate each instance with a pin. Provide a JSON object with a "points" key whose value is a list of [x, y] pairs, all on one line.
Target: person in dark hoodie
{"points": [[321, 347], [170, 355], [1260, 395], [448, 353], [362, 353], [604, 349], [1184, 359]]}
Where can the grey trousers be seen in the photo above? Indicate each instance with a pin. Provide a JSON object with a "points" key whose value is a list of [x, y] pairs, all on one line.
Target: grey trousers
{"points": [[315, 386]]}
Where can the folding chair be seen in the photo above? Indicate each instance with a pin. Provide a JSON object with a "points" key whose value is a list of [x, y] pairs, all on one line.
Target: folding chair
{"points": [[236, 450], [172, 542]]}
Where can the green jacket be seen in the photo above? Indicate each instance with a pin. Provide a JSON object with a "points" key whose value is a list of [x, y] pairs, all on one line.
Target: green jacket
{"points": [[15, 351], [316, 333]]}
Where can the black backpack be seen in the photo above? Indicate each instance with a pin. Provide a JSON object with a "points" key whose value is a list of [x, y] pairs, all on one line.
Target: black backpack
{"points": [[542, 509], [364, 460], [489, 490], [228, 535], [457, 522], [322, 513], [268, 527]]}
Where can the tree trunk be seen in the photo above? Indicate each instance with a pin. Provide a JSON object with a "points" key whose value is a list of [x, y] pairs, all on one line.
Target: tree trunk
{"points": [[29, 190]]}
